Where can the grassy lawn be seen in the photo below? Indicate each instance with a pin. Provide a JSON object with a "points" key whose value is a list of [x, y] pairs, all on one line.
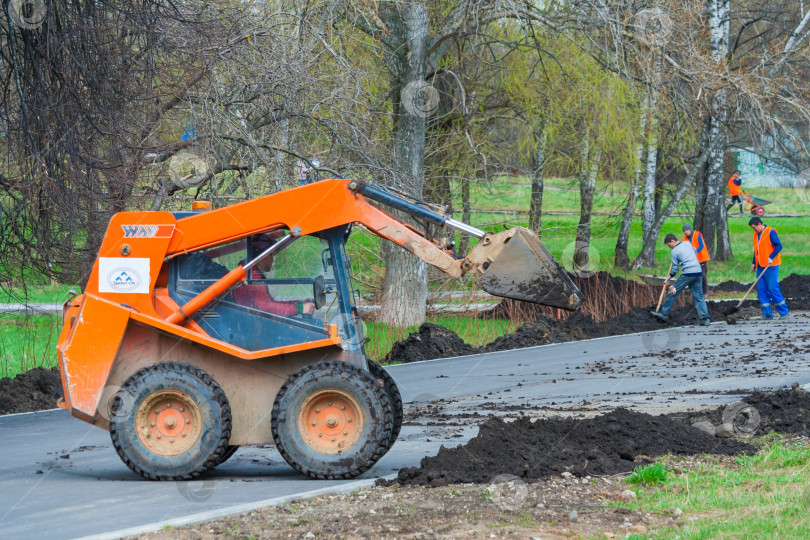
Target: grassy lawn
{"points": [[766, 495], [27, 342]]}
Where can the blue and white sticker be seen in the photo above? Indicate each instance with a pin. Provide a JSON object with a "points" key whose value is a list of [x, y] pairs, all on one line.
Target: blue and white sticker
{"points": [[123, 275]]}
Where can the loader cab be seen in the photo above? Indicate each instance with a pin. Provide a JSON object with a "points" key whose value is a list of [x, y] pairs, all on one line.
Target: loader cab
{"points": [[271, 308]]}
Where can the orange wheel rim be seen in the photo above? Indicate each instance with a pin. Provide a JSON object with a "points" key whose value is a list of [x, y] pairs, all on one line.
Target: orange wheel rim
{"points": [[169, 423], [330, 421]]}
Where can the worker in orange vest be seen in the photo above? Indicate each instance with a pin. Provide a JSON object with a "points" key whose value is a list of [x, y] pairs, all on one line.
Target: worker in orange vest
{"points": [[767, 259], [735, 190], [702, 253]]}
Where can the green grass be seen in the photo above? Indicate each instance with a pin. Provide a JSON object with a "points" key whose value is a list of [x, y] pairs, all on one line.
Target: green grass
{"points": [[27, 342], [654, 473], [36, 293], [766, 495]]}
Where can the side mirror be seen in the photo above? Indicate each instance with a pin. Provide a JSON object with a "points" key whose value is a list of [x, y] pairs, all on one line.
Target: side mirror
{"points": [[319, 292]]}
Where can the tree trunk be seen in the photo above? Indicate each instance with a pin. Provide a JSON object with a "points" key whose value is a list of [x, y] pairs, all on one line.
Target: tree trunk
{"points": [[404, 295], [683, 188], [536, 207], [622, 259], [587, 185], [710, 212], [648, 204]]}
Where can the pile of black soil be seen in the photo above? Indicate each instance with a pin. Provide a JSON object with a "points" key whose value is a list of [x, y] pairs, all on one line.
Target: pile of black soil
{"points": [[795, 286], [34, 390], [729, 286], [786, 410], [430, 342], [579, 326], [609, 444]]}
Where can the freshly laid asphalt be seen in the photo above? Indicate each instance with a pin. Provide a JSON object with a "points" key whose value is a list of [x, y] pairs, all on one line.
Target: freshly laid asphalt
{"points": [[60, 477]]}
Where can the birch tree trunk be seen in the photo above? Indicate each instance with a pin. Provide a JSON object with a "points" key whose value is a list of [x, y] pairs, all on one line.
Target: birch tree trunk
{"points": [[622, 259], [710, 211], [648, 203], [683, 188], [405, 286], [587, 186], [536, 206]]}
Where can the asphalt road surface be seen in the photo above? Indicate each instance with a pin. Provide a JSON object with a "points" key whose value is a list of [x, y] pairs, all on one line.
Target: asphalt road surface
{"points": [[60, 477]]}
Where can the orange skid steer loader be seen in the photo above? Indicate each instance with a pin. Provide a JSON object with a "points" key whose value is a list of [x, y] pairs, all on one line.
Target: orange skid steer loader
{"points": [[202, 331]]}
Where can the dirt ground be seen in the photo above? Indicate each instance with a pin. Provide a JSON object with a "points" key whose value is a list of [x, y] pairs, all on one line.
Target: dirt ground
{"points": [[558, 507]]}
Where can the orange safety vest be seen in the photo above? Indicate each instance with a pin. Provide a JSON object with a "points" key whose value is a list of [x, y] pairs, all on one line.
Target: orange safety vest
{"points": [[734, 189], [703, 254], [763, 248]]}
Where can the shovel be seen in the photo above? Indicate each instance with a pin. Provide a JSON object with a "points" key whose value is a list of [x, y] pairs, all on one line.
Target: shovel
{"points": [[736, 308], [663, 290]]}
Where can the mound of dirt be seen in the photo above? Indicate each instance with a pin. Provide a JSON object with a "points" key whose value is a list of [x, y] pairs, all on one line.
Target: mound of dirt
{"points": [[34, 390], [543, 331], [786, 410], [795, 286], [730, 286], [613, 443], [430, 342], [579, 326]]}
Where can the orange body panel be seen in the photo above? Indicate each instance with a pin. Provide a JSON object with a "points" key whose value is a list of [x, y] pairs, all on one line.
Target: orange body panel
{"points": [[132, 239], [88, 351]]}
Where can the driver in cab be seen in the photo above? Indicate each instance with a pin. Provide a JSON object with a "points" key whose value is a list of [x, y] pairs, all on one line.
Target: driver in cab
{"points": [[258, 296]]}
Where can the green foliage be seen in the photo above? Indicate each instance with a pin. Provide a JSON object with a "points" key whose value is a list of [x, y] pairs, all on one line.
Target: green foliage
{"points": [[654, 473]]}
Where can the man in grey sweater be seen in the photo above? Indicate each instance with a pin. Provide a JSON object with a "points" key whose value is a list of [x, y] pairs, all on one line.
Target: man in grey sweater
{"points": [[684, 259]]}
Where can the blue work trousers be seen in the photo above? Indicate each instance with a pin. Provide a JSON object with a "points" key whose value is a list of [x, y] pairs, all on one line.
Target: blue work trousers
{"points": [[695, 284], [770, 296]]}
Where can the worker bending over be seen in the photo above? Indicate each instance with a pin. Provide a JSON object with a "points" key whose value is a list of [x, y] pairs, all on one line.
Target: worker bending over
{"points": [[767, 259], [684, 259], [702, 253]]}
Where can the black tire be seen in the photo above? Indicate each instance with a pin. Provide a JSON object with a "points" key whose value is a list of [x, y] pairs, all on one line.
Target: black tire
{"points": [[320, 457], [168, 401], [229, 451], [394, 398]]}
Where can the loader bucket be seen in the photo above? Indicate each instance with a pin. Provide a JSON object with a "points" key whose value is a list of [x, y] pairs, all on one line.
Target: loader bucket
{"points": [[515, 264]]}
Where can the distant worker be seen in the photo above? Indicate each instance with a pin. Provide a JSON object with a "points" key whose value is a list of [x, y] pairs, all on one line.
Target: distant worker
{"points": [[735, 190], [767, 259], [301, 170], [702, 253], [684, 259]]}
